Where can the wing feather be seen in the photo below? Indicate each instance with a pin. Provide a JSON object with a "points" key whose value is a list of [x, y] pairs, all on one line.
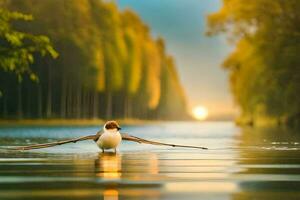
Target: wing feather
{"points": [[52, 144], [141, 140]]}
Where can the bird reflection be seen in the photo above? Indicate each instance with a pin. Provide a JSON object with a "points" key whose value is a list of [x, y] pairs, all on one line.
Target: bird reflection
{"points": [[111, 194], [113, 168], [108, 167]]}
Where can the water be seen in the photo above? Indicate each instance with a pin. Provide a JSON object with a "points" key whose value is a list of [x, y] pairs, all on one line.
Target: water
{"points": [[240, 164]]}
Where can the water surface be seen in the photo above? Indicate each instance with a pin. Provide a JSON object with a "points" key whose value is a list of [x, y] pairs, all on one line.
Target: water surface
{"points": [[240, 164]]}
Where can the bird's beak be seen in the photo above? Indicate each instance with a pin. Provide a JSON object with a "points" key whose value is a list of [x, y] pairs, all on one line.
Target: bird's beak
{"points": [[119, 128]]}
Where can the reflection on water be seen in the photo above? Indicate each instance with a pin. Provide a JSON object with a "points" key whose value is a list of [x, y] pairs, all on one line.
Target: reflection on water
{"points": [[240, 164], [108, 166], [270, 161], [111, 194]]}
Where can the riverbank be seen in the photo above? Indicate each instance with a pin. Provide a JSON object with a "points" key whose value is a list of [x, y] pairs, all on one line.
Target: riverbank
{"points": [[265, 121]]}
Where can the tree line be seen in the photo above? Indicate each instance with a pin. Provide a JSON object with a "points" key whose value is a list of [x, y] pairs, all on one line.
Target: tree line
{"points": [[104, 64], [264, 68]]}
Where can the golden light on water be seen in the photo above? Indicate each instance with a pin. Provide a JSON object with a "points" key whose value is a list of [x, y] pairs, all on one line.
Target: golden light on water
{"points": [[200, 112], [110, 166], [111, 194]]}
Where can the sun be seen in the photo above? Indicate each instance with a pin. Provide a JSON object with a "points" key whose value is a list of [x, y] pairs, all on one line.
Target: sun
{"points": [[200, 112]]}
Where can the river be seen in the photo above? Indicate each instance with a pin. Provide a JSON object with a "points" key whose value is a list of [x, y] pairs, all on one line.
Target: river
{"points": [[240, 164]]}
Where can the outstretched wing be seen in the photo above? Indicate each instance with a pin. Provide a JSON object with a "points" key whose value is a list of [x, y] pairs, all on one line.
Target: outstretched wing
{"points": [[52, 144], [141, 140], [95, 138]]}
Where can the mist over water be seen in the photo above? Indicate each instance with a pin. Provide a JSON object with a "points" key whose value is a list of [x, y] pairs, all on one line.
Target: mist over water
{"points": [[240, 164]]}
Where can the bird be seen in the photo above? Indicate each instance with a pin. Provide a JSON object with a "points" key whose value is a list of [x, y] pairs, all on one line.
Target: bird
{"points": [[108, 138]]}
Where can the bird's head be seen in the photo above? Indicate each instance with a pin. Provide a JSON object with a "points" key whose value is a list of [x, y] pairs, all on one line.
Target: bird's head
{"points": [[111, 126]]}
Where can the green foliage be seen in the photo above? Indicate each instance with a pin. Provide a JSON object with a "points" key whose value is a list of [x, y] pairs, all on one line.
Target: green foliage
{"points": [[133, 40], [17, 48], [264, 67], [108, 59]]}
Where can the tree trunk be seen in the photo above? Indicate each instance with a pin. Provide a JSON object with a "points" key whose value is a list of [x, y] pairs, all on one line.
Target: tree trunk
{"points": [[129, 107], [78, 102], [28, 112], [89, 104], [85, 102], [39, 101], [108, 105], [125, 114], [95, 105], [63, 98], [4, 106], [20, 107], [69, 107], [49, 94]]}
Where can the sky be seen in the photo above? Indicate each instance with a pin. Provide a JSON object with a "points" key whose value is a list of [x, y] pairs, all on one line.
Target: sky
{"points": [[182, 24]]}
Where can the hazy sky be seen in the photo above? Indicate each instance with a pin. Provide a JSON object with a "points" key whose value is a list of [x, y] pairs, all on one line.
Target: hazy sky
{"points": [[182, 23]]}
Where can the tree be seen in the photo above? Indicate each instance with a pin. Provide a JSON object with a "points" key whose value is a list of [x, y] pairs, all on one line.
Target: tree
{"points": [[18, 49], [263, 68], [109, 64], [134, 35]]}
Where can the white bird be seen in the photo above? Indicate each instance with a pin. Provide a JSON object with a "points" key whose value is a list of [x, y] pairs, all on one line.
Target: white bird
{"points": [[108, 138]]}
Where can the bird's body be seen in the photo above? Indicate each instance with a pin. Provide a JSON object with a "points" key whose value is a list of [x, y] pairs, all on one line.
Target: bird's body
{"points": [[109, 139]]}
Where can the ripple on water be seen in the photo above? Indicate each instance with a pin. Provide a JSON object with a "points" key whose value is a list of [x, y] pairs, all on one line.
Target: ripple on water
{"points": [[238, 165]]}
